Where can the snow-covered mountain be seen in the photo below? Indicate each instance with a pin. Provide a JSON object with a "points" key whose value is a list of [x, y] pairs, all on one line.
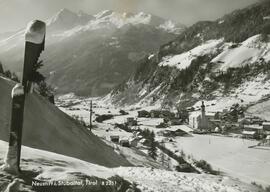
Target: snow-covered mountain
{"points": [[223, 62], [66, 19], [121, 19], [89, 55]]}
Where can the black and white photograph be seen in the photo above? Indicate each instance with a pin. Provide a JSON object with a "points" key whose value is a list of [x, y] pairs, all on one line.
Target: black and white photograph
{"points": [[134, 96]]}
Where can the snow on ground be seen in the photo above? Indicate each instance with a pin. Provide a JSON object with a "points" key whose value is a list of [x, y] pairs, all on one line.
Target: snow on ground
{"points": [[184, 60], [248, 51], [230, 155], [250, 92], [77, 106], [157, 180], [54, 167], [104, 131], [261, 110]]}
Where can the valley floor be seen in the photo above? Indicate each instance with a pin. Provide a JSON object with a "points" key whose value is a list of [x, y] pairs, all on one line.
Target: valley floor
{"points": [[231, 156]]}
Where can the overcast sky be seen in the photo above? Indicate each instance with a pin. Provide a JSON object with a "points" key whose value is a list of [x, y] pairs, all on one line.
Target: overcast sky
{"points": [[15, 14]]}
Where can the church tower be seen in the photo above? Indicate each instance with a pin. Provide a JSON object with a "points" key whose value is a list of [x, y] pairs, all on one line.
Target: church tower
{"points": [[204, 121]]}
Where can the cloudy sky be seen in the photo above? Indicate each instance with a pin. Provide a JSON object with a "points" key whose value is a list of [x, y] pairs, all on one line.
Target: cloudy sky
{"points": [[15, 14]]}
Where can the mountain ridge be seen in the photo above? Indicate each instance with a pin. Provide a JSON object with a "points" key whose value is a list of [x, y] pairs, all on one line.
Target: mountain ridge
{"points": [[93, 58], [208, 61]]}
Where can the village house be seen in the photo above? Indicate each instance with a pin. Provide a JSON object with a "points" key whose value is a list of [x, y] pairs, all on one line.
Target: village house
{"points": [[267, 141], [194, 120], [254, 120], [252, 131], [131, 121], [124, 143], [115, 138], [175, 121], [266, 128], [161, 114], [134, 141], [143, 114], [242, 122]]}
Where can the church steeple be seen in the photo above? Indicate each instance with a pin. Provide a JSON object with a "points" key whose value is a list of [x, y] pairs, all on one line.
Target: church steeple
{"points": [[204, 122], [203, 107]]}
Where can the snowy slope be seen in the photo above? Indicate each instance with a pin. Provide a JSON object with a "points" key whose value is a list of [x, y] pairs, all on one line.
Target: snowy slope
{"points": [[248, 93], [222, 56], [47, 128], [184, 60], [46, 166], [247, 52]]}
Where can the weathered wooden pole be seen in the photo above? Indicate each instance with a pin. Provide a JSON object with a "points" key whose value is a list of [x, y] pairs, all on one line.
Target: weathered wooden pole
{"points": [[34, 45], [91, 113]]}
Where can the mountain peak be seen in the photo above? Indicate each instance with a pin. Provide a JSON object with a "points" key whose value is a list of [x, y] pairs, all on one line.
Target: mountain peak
{"points": [[66, 19], [65, 12], [120, 19], [103, 14]]}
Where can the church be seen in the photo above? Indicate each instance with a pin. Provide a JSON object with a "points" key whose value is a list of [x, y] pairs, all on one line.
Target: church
{"points": [[199, 120]]}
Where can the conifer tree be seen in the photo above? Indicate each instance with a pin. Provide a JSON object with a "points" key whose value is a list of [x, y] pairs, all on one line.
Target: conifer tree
{"points": [[152, 151]]}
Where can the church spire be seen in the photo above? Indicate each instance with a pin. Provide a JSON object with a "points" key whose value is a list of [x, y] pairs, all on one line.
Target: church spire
{"points": [[203, 107]]}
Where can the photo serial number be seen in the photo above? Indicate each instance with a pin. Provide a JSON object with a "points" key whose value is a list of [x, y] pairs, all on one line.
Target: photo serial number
{"points": [[86, 182]]}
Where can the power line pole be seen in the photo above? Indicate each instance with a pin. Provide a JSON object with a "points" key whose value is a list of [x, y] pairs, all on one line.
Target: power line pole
{"points": [[91, 113], [34, 45]]}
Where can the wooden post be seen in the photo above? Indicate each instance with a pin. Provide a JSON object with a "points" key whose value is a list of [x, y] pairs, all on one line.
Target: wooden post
{"points": [[34, 45], [91, 113]]}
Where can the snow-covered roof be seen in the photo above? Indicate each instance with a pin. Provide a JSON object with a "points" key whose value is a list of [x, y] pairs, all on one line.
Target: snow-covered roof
{"points": [[266, 123], [248, 132], [35, 32], [253, 127], [210, 114], [181, 127]]}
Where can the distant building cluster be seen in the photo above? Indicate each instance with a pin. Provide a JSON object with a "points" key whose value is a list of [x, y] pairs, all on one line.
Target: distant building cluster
{"points": [[224, 122]]}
